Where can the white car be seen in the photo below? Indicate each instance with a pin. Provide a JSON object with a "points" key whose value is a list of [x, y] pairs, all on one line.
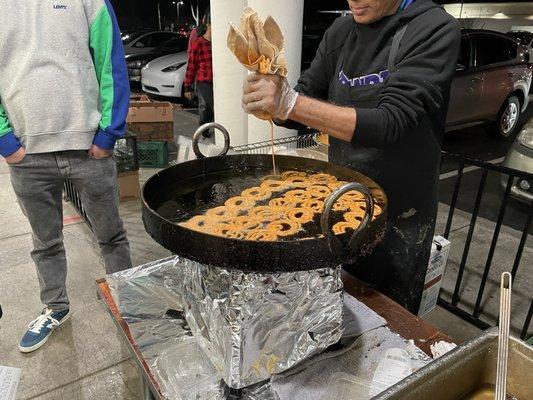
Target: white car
{"points": [[165, 75]]}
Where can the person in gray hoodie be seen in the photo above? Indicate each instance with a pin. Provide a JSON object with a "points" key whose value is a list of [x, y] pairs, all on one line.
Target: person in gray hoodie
{"points": [[64, 98]]}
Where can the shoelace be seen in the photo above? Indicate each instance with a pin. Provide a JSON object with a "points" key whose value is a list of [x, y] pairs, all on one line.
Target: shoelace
{"points": [[38, 323]]}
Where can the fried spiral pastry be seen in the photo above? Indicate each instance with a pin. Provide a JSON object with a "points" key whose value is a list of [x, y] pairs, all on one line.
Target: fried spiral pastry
{"points": [[282, 202], [319, 191], [229, 231], [257, 194], [262, 235], [246, 223], [334, 185], [360, 207], [284, 227], [297, 195], [222, 213], [300, 215], [274, 185], [354, 195], [200, 223], [322, 179], [342, 227], [241, 203], [291, 174], [315, 205], [298, 181], [265, 213], [341, 205], [354, 217]]}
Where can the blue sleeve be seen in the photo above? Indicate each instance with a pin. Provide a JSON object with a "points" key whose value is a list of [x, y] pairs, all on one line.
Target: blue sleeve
{"points": [[9, 143], [112, 73]]}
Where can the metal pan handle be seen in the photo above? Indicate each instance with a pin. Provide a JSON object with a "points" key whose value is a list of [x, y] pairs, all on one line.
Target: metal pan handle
{"points": [[334, 242], [202, 129]]}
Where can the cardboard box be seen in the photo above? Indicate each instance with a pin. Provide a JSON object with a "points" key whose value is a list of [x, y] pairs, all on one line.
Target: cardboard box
{"points": [[151, 120], [128, 184], [139, 97], [440, 250], [146, 131]]}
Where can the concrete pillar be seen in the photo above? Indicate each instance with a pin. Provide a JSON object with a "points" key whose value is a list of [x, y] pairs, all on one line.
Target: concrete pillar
{"points": [[229, 74]]}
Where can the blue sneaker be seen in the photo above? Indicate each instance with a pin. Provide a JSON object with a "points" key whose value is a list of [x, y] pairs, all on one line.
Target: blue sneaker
{"points": [[40, 329]]}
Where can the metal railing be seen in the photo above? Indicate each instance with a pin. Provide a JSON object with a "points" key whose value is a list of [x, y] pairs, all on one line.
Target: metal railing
{"points": [[72, 195], [510, 176], [306, 141]]}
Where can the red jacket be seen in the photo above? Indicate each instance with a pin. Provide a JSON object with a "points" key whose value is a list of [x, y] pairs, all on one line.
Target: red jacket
{"points": [[200, 63]]}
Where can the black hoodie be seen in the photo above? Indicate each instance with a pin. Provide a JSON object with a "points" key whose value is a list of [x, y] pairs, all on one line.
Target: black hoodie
{"points": [[419, 86], [400, 123]]}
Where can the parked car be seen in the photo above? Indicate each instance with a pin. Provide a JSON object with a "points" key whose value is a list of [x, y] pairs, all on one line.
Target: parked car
{"points": [[144, 42], [165, 76], [520, 157], [492, 82], [136, 62], [127, 35]]}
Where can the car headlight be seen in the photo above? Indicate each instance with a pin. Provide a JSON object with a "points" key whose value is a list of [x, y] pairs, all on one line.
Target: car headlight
{"points": [[525, 138], [137, 64], [174, 67]]}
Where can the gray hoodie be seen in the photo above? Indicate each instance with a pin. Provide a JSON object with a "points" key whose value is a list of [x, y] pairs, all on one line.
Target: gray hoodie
{"points": [[63, 76]]}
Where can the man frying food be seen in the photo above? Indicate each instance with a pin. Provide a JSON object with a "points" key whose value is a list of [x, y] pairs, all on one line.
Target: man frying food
{"points": [[379, 86]]}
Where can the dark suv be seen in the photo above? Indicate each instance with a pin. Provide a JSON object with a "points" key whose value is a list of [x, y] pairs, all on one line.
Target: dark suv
{"points": [[492, 82]]}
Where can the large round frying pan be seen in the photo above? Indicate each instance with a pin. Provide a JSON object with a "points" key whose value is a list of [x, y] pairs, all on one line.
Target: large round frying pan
{"points": [[326, 250]]}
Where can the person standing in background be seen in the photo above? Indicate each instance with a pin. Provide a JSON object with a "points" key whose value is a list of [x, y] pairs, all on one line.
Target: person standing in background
{"points": [[64, 99], [200, 71], [192, 39]]}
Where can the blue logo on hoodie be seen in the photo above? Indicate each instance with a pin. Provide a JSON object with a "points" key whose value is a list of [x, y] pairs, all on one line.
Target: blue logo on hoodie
{"points": [[60, 7], [370, 79]]}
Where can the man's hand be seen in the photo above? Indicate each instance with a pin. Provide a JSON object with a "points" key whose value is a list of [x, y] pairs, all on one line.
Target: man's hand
{"points": [[189, 95], [17, 156], [268, 95], [98, 153]]}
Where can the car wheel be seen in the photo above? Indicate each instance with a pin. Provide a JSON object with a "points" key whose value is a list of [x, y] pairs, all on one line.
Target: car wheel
{"points": [[507, 120]]}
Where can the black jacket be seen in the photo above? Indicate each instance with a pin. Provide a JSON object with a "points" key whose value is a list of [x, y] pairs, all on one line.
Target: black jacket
{"points": [[417, 89]]}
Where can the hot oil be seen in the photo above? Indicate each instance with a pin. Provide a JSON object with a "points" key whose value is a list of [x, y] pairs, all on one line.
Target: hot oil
{"points": [[195, 196], [485, 393]]}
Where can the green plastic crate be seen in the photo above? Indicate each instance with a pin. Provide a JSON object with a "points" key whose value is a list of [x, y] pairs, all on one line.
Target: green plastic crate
{"points": [[153, 154]]}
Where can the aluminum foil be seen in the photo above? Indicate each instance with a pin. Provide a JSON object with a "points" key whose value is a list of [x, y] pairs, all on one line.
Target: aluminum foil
{"points": [[248, 325], [254, 325]]}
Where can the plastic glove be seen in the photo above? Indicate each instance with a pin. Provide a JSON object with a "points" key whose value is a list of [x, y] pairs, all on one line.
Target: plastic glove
{"points": [[268, 97]]}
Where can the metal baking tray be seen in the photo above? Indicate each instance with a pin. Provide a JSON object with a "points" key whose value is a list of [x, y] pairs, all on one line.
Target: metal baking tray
{"points": [[466, 369]]}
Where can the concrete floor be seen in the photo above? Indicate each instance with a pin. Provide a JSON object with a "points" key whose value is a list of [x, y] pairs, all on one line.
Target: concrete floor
{"points": [[84, 359]]}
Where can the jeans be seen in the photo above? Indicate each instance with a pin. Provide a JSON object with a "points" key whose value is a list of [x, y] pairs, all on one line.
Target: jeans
{"points": [[205, 102], [38, 184]]}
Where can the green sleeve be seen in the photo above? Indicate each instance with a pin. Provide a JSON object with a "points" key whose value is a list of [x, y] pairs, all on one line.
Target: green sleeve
{"points": [[5, 126]]}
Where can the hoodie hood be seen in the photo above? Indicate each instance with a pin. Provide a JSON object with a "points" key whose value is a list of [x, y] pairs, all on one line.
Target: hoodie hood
{"points": [[417, 8]]}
